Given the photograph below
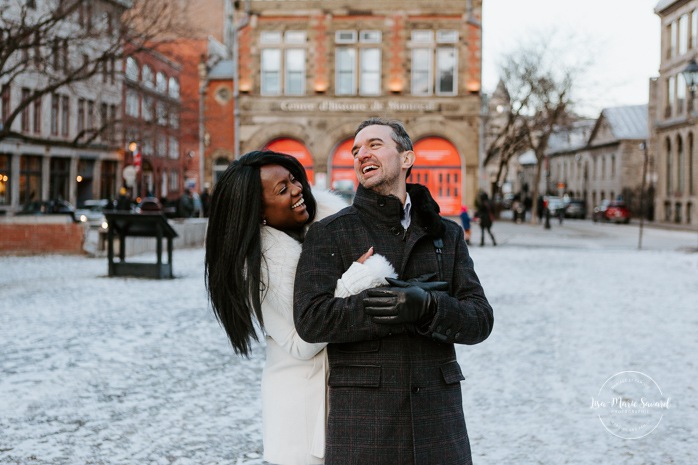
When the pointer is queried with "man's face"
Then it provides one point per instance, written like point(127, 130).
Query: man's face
point(377, 163)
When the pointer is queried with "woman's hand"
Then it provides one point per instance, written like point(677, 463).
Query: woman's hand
point(365, 256)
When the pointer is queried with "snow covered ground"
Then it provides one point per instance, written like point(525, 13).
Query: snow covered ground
point(98, 370)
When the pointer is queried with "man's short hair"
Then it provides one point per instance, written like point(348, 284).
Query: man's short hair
point(399, 134)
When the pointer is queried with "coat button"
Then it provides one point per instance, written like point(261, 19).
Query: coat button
point(448, 332)
point(415, 389)
point(457, 336)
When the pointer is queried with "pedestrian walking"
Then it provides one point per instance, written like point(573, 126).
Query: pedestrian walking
point(465, 220)
point(485, 213)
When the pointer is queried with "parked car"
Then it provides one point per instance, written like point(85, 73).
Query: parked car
point(149, 205)
point(48, 207)
point(576, 208)
point(92, 212)
point(611, 210)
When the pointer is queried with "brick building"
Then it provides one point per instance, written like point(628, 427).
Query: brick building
point(151, 124)
point(310, 71)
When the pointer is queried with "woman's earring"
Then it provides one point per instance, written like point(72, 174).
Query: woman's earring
point(264, 221)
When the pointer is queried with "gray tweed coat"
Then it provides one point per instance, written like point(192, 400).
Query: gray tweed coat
point(395, 395)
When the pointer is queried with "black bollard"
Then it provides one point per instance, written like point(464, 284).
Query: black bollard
point(547, 218)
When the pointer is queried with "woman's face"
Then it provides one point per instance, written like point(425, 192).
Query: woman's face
point(282, 199)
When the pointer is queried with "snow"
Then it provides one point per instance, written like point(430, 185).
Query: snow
point(99, 370)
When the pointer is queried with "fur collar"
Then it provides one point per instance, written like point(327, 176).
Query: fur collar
point(426, 210)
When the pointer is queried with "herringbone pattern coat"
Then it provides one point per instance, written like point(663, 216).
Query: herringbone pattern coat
point(395, 395)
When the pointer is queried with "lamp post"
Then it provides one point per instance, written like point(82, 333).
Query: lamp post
point(643, 146)
point(690, 75)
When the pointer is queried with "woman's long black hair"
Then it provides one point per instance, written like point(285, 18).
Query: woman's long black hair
point(233, 243)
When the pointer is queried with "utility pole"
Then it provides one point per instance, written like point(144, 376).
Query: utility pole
point(643, 146)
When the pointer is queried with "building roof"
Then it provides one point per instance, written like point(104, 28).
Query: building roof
point(627, 122)
point(224, 69)
point(572, 137)
point(663, 4)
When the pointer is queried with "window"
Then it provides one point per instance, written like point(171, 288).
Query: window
point(683, 32)
point(362, 60)
point(131, 69)
point(37, 113)
point(174, 148)
point(132, 103)
point(90, 123)
point(673, 37)
point(148, 108)
point(345, 80)
point(25, 120)
point(55, 104)
point(148, 78)
point(65, 115)
point(5, 178)
point(694, 29)
point(5, 96)
point(161, 149)
point(294, 81)
point(671, 95)
point(174, 120)
point(680, 92)
point(434, 63)
point(174, 180)
point(29, 178)
point(679, 166)
point(271, 71)
point(161, 82)
point(103, 118)
point(174, 88)
point(286, 60)
point(370, 83)
point(81, 116)
point(161, 111)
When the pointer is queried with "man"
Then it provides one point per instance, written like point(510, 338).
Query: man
point(394, 384)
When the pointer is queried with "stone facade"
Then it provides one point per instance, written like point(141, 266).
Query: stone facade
point(674, 115)
point(323, 110)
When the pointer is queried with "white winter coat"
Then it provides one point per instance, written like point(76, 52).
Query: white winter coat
point(295, 374)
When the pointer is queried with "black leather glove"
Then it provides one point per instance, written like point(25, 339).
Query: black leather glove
point(396, 305)
point(426, 285)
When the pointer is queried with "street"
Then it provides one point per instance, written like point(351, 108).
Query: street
point(105, 370)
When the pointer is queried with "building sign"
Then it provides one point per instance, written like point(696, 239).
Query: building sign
point(353, 106)
point(296, 149)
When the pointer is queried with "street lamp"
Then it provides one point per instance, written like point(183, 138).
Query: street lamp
point(690, 75)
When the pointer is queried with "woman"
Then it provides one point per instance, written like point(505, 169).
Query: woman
point(260, 209)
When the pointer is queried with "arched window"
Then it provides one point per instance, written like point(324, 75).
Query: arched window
point(148, 77)
point(679, 165)
point(131, 69)
point(161, 82)
point(174, 88)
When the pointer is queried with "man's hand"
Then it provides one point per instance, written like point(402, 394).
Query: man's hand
point(399, 304)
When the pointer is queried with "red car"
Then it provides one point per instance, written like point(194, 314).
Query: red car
point(612, 210)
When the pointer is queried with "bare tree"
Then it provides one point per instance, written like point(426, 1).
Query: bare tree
point(540, 82)
point(59, 44)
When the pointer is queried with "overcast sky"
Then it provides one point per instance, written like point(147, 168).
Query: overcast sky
point(624, 35)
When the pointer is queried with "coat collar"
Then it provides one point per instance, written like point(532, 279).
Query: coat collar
point(387, 209)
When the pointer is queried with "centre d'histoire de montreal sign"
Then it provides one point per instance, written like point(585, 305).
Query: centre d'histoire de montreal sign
point(338, 105)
